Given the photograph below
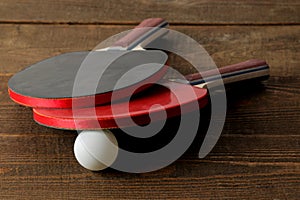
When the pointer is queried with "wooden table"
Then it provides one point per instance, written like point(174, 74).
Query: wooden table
point(258, 154)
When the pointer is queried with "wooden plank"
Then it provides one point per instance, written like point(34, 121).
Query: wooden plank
point(131, 12)
point(252, 185)
point(22, 45)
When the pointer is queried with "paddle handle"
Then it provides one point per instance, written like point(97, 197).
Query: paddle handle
point(251, 69)
point(147, 31)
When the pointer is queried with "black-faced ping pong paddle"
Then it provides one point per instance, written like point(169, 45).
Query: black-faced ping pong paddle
point(50, 83)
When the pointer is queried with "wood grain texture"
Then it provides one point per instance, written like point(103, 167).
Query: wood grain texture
point(131, 12)
point(226, 44)
point(258, 154)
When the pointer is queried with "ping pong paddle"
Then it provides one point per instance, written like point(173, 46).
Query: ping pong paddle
point(140, 107)
point(49, 83)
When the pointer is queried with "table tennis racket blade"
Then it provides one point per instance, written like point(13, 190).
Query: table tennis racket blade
point(139, 107)
point(50, 83)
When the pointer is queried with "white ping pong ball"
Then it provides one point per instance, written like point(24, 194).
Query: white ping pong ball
point(96, 150)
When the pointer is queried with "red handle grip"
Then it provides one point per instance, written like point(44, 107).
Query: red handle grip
point(227, 69)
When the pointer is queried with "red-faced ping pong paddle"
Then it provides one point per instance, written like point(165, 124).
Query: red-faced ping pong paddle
point(50, 83)
point(140, 107)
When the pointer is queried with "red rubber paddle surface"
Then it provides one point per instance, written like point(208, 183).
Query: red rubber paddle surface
point(155, 102)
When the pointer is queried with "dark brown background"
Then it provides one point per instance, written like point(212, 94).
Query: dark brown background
point(258, 155)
